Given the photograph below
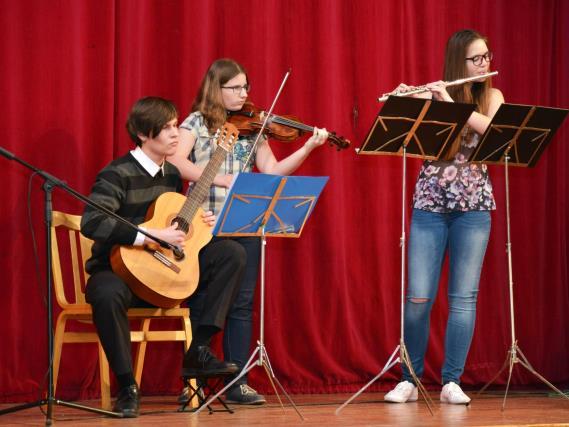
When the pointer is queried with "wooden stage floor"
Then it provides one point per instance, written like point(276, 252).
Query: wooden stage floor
point(522, 409)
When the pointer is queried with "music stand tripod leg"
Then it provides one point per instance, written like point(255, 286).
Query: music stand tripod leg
point(512, 361)
point(407, 361)
point(497, 375)
point(272, 377)
point(524, 362)
point(265, 367)
point(388, 365)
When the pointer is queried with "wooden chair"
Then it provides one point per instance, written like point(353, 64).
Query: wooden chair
point(76, 308)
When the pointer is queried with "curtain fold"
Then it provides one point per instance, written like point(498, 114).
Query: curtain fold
point(72, 70)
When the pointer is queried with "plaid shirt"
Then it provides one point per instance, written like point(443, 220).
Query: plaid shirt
point(204, 148)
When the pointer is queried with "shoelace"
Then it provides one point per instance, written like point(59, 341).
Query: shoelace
point(205, 356)
point(455, 390)
point(403, 387)
point(246, 389)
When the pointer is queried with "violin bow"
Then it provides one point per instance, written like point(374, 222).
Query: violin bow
point(265, 121)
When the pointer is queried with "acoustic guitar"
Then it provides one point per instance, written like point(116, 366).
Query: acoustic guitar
point(154, 273)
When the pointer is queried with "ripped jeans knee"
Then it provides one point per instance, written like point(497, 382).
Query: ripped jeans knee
point(417, 309)
point(418, 300)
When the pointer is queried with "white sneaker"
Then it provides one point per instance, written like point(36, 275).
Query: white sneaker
point(403, 392)
point(453, 394)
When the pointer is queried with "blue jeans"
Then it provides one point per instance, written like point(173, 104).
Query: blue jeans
point(239, 328)
point(465, 236)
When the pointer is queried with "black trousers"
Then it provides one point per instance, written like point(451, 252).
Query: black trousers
point(239, 325)
point(222, 263)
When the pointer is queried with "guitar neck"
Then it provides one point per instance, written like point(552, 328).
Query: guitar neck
point(201, 190)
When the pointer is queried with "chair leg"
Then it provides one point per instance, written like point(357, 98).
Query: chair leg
point(186, 324)
point(57, 347)
point(187, 331)
point(141, 352)
point(105, 379)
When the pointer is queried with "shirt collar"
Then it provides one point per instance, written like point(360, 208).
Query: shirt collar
point(147, 163)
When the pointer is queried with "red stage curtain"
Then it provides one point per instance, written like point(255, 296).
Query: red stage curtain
point(72, 69)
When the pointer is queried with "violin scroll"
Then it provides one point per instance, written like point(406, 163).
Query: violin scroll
point(339, 141)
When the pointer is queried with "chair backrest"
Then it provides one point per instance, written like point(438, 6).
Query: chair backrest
point(80, 251)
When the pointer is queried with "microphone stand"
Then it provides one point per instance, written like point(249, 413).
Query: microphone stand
point(50, 182)
point(58, 183)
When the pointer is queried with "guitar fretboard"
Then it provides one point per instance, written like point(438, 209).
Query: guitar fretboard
point(201, 190)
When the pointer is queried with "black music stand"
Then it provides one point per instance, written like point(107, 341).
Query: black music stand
point(420, 128)
point(520, 132)
point(266, 205)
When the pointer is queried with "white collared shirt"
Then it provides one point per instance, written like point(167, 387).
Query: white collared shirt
point(146, 162)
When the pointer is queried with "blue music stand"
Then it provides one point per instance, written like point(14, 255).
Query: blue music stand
point(266, 205)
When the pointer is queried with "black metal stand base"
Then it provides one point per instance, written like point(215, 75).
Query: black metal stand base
point(53, 401)
point(205, 388)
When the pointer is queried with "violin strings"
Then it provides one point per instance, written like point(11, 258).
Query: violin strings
point(292, 123)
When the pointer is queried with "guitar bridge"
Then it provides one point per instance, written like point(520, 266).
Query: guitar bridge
point(164, 260)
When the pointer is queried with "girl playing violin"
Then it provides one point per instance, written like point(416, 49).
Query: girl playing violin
point(224, 88)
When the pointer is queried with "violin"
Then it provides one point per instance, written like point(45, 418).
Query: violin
point(249, 120)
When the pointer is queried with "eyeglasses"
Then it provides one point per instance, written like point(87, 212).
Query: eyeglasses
point(477, 59)
point(237, 89)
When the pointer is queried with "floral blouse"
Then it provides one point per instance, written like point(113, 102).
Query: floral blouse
point(457, 185)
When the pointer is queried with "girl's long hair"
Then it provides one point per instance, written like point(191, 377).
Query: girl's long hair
point(477, 93)
point(209, 101)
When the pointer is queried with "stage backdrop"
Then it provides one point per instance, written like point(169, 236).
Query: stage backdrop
point(71, 69)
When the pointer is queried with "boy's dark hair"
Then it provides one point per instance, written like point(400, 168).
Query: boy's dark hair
point(148, 116)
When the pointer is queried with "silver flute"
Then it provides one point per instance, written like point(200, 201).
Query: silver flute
point(421, 89)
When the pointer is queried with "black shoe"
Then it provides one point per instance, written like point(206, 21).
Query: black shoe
point(128, 402)
point(201, 362)
point(242, 394)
